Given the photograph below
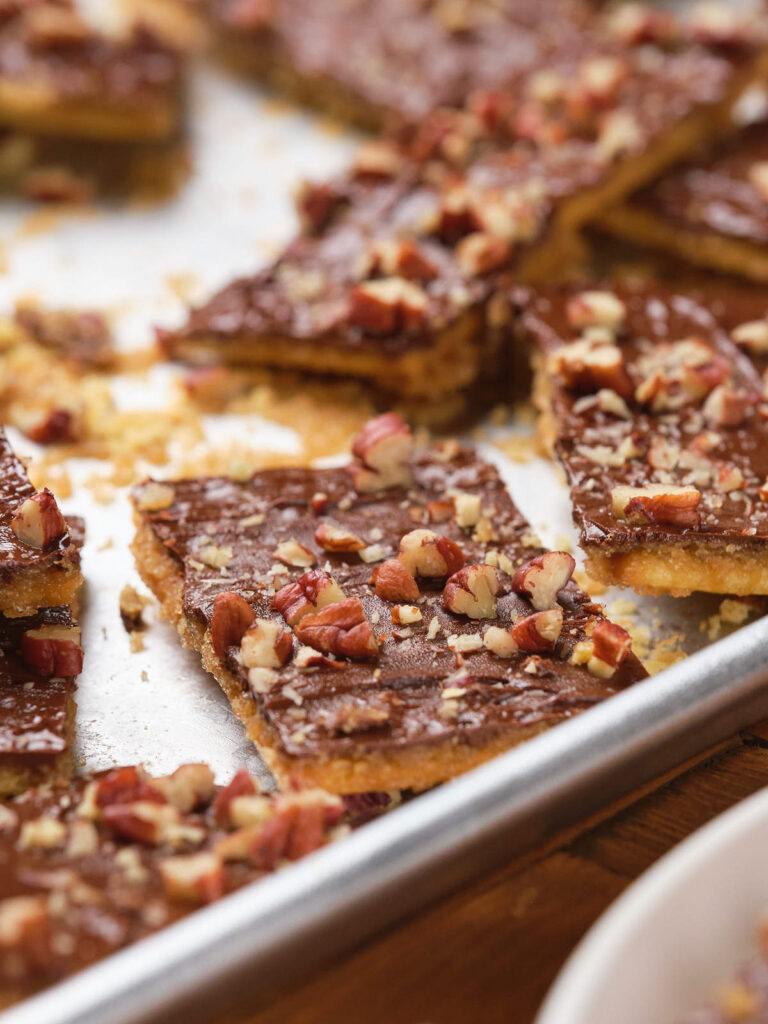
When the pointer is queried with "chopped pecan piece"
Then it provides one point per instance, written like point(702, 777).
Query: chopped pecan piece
point(242, 784)
point(384, 449)
point(53, 650)
point(393, 582)
point(388, 305)
point(539, 632)
point(232, 616)
point(657, 504)
point(266, 644)
point(590, 366)
point(290, 552)
point(189, 787)
point(425, 554)
point(340, 629)
point(543, 577)
point(314, 590)
point(611, 644)
point(500, 642)
point(195, 877)
point(336, 538)
point(596, 309)
point(38, 522)
point(472, 592)
point(403, 258)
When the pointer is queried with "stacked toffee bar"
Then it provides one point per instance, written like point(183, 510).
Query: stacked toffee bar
point(40, 649)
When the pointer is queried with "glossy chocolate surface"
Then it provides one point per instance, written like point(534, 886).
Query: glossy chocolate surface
point(34, 711)
point(695, 452)
point(395, 701)
point(716, 193)
point(16, 557)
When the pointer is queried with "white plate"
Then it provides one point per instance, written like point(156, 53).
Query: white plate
point(678, 932)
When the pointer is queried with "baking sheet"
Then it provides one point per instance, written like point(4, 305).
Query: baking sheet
point(158, 706)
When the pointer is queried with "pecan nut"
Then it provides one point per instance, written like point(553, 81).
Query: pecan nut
point(341, 629)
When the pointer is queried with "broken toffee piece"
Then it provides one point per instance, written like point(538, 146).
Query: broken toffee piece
point(711, 212)
point(660, 423)
point(40, 657)
point(394, 278)
point(91, 867)
point(39, 558)
point(385, 625)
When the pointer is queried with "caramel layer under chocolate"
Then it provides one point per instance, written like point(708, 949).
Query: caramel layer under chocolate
point(433, 700)
point(34, 573)
point(643, 387)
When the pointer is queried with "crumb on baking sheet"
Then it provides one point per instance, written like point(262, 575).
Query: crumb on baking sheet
point(732, 612)
point(592, 587)
point(656, 652)
point(132, 605)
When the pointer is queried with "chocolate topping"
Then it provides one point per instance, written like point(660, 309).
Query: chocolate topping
point(670, 434)
point(398, 699)
point(718, 193)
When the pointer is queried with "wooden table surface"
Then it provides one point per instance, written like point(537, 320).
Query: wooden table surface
point(488, 954)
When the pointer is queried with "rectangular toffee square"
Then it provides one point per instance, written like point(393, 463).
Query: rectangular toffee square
point(384, 625)
point(658, 415)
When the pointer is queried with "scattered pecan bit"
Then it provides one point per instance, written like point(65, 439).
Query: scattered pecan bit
point(425, 554)
point(620, 133)
point(634, 23)
point(753, 335)
point(663, 454)
point(543, 577)
point(725, 407)
point(589, 366)
point(308, 658)
point(194, 878)
point(51, 26)
point(42, 834)
point(56, 185)
point(393, 582)
point(340, 629)
point(125, 785)
point(53, 650)
point(377, 160)
point(56, 426)
point(249, 14)
point(469, 509)
point(319, 503)
point(599, 82)
point(290, 552)
point(611, 644)
point(437, 511)
point(596, 309)
point(266, 644)
point(388, 305)
point(352, 718)
point(38, 521)
point(657, 504)
point(500, 642)
point(610, 402)
point(406, 614)
point(479, 253)
point(132, 605)
point(154, 497)
point(383, 450)
point(538, 632)
point(25, 929)
point(336, 538)
point(361, 807)
point(403, 258)
point(729, 478)
point(242, 784)
point(143, 821)
point(232, 616)
point(717, 24)
point(247, 810)
point(472, 592)
point(679, 373)
point(313, 591)
point(316, 203)
point(189, 787)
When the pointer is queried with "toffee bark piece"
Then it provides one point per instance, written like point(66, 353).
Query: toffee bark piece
point(39, 556)
point(365, 622)
point(370, 61)
point(660, 423)
point(61, 76)
point(91, 867)
point(711, 212)
point(393, 280)
point(39, 659)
